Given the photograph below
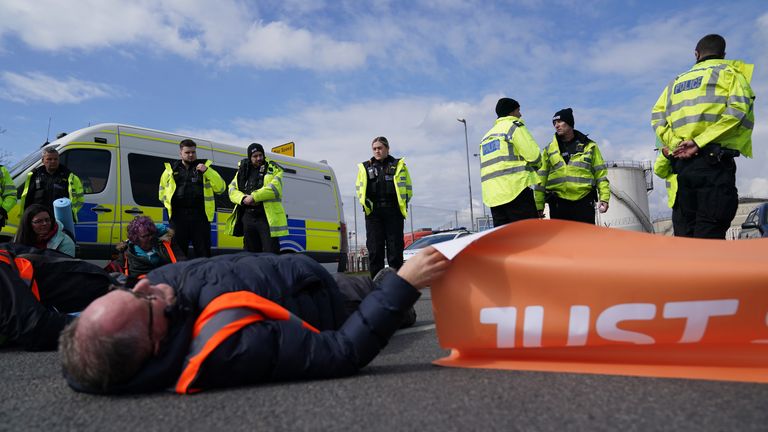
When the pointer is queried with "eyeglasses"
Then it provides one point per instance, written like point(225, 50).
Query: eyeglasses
point(148, 298)
point(41, 221)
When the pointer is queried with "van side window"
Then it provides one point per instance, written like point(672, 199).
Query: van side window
point(145, 172)
point(308, 199)
point(223, 202)
point(90, 165)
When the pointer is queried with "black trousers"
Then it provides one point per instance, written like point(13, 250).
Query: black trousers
point(191, 225)
point(707, 195)
point(522, 207)
point(384, 228)
point(256, 235)
point(679, 226)
point(582, 210)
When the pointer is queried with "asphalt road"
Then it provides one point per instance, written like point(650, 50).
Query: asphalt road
point(400, 390)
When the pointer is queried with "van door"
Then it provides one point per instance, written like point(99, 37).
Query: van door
point(143, 154)
point(95, 165)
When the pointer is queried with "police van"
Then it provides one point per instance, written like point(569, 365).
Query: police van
point(120, 168)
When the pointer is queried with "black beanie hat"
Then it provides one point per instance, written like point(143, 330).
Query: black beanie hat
point(505, 106)
point(254, 147)
point(565, 115)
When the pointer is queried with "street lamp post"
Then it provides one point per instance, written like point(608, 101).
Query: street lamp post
point(469, 177)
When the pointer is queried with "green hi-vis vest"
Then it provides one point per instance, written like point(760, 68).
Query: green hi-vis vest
point(710, 103)
point(509, 158)
point(212, 183)
point(403, 187)
point(572, 181)
point(270, 195)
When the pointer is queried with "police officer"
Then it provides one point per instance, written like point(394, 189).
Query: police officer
point(186, 190)
point(257, 192)
point(384, 190)
point(7, 195)
point(51, 181)
point(704, 117)
point(509, 158)
point(573, 173)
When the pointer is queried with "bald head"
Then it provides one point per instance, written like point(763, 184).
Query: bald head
point(108, 343)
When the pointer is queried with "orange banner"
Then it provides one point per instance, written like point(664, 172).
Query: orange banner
point(551, 295)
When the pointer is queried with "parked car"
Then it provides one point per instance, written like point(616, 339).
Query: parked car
point(756, 223)
point(437, 237)
point(411, 237)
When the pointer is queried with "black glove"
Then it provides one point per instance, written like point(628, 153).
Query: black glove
point(3, 217)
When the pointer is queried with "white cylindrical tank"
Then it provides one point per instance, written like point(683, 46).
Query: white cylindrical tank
point(628, 208)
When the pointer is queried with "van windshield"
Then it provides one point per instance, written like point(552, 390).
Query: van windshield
point(23, 165)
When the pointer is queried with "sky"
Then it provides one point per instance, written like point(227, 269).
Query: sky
point(332, 75)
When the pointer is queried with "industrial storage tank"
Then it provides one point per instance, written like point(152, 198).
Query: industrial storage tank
point(628, 209)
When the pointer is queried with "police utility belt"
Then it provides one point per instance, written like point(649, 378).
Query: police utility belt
point(717, 153)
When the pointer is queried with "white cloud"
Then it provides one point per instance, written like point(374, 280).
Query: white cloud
point(38, 87)
point(277, 45)
point(758, 187)
point(228, 32)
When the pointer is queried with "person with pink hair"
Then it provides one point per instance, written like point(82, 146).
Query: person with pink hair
point(148, 247)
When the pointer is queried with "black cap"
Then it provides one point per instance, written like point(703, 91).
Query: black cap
point(254, 147)
point(565, 115)
point(505, 106)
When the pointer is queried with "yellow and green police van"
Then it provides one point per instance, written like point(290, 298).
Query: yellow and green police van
point(120, 167)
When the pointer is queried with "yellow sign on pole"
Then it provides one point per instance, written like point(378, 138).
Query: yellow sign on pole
point(287, 149)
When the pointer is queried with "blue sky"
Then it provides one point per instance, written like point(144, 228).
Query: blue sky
point(331, 75)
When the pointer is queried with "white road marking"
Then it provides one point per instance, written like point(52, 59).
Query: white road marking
point(417, 329)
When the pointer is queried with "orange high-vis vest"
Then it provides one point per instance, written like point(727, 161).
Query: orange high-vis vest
point(24, 267)
point(223, 317)
point(166, 244)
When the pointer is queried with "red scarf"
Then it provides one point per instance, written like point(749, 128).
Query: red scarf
point(42, 241)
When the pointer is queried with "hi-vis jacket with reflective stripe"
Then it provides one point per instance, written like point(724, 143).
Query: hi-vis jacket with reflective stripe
point(663, 168)
point(270, 194)
point(212, 183)
point(509, 158)
point(7, 191)
point(274, 348)
point(711, 103)
point(572, 181)
point(74, 189)
point(403, 187)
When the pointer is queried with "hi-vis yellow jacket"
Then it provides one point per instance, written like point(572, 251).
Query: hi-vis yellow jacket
point(74, 190)
point(663, 168)
point(7, 191)
point(212, 183)
point(509, 158)
point(572, 181)
point(270, 194)
point(403, 187)
point(710, 103)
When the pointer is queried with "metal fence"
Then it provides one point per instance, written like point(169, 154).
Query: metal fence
point(419, 218)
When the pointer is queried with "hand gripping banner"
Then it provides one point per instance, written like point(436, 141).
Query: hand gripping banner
point(561, 296)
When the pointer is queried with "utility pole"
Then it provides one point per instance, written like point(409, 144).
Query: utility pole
point(469, 177)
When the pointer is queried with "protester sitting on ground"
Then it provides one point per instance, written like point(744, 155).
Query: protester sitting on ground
point(236, 320)
point(148, 247)
point(40, 229)
point(39, 290)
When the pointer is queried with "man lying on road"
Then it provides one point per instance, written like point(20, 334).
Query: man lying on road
point(236, 320)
